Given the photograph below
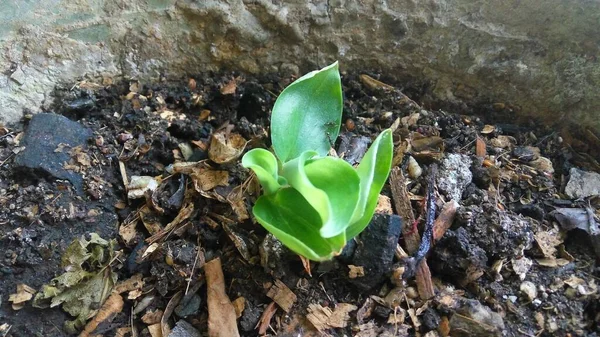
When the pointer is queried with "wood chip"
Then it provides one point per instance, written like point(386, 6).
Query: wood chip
point(480, 150)
point(282, 295)
point(340, 316)
point(221, 313)
point(356, 271)
point(444, 219)
point(374, 84)
point(155, 330)
point(319, 316)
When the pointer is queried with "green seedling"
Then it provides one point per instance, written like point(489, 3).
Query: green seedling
point(314, 203)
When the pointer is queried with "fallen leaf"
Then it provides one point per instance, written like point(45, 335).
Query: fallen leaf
point(155, 330)
point(229, 88)
point(128, 232)
point(225, 147)
point(205, 179)
point(24, 293)
point(221, 313)
point(152, 317)
point(487, 129)
point(374, 84)
point(112, 306)
point(239, 304)
point(139, 185)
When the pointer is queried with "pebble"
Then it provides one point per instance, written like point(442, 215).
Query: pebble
point(528, 289)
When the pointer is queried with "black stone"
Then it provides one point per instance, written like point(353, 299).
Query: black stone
point(250, 317)
point(375, 250)
point(42, 137)
point(430, 319)
point(454, 255)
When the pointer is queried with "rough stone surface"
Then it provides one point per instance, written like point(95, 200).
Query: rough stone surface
point(454, 175)
point(184, 329)
point(42, 137)
point(465, 51)
point(582, 184)
point(375, 249)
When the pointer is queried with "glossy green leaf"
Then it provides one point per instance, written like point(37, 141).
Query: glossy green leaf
point(373, 171)
point(288, 216)
point(307, 114)
point(330, 185)
point(264, 165)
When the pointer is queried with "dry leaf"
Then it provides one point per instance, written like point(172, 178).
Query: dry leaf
point(236, 200)
point(24, 293)
point(282, 295)
point(226, 147)
point(374, 84)
point(139, 185)
point(306, 264)
point(112, 306)
point(150, 220)
point(206, 179)
point(155, 330)
point(487, 129)
point(411, 120)
point(221, 313)
point(239, 304)
point(547, 242)
point(135, 282)
point(128, 232)
point(152, 317)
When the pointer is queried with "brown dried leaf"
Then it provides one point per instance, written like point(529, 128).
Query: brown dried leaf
point(365, 310)
point(282, 295)
point(374, 84)
point(152, 317)
point(552, 262)
point(221, 313)
point(239, 304)
point(128, 232)
point(236, 200)
point(420, 143)
point(155, 330)
point(150, 220)
point(487, 129)
point(547, 242)
point(135, 282)
point(112, 306)
point(305, 264)
point(225, 147)
point(205, 179)
point(24, 293)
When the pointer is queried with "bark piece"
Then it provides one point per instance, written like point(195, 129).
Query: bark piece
point(282, 295)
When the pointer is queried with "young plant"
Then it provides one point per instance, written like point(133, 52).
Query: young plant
point(314, 203)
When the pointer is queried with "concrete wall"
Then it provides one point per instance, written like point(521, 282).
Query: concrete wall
point(539, 56)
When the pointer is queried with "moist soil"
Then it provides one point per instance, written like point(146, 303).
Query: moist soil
point(504, 219)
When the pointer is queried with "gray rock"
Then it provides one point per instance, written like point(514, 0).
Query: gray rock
point(454, 175)
point(42, 137)
point(375, 250)
point(465, 52)
point(582, 184)
point(184, 329)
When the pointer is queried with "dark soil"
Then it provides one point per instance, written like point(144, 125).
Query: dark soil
point(503, 210)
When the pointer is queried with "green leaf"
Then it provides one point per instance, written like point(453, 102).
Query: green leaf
point(307, 114)
point(264, 165)
point(288, 216)
point(373, 171)
point(331, 187)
